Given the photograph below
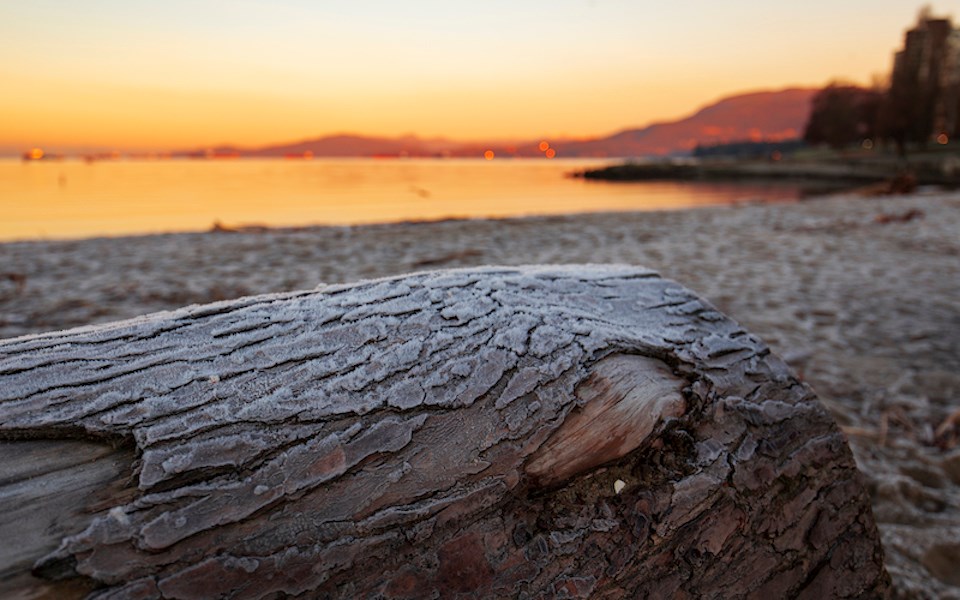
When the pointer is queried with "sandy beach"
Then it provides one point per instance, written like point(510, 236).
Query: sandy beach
point(860, 296)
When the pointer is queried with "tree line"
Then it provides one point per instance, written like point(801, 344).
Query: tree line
point(917, 106)
point(843, 115)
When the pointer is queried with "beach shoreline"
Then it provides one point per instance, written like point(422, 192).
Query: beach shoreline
point(858, 295)
point(851, 171)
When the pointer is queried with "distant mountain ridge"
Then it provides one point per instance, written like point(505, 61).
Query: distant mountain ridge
point(348, 145)
point(757, 116)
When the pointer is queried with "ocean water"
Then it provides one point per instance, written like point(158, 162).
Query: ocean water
point(74, 199)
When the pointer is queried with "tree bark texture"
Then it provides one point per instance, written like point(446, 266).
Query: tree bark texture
point(539, 432)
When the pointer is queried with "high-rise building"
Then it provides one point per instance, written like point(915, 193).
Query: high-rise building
point(925, 85)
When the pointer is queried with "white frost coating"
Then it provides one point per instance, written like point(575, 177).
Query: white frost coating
point(119, 515)
point(547, 339)
point(407, 394)
point(462, 368)
point(408, 352)
point(312, 338)
point(515, 336)
point(525, 380)
point(176, 464)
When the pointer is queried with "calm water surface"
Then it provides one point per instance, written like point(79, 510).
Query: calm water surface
point(70, 199)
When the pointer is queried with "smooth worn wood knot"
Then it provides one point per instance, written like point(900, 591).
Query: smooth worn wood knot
point(624, 399)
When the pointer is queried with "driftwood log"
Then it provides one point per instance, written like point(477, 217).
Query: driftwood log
point(501, 432)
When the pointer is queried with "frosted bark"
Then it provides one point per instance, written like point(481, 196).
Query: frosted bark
point(424, 436)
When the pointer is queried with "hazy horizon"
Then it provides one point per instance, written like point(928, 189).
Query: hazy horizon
point(138, 76)
point(12, 151)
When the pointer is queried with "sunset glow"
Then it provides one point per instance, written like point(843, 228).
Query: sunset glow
point(159, 76)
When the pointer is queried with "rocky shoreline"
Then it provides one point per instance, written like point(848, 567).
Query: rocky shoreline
point(860, 296)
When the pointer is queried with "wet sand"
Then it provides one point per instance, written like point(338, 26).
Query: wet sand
point(860, 296)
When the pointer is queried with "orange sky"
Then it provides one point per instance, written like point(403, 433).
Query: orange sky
point(136, 74)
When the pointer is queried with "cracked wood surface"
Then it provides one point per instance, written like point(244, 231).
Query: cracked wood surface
point(444, 433)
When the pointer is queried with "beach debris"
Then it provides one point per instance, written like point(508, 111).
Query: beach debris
point(947, 434)
point(900, 184)
point(618, 486)
point(904, 217)
point(19, 280)
point(865, 432)
point(942, 560)
point(443, 259)
point(840, 225)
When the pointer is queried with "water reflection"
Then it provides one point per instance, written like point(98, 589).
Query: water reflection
point(75, 199)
